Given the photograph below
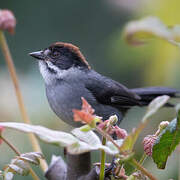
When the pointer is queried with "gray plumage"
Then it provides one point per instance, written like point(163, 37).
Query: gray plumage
point(68, 77)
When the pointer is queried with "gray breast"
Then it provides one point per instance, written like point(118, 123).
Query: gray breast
point(62, 101)
point(63, 96)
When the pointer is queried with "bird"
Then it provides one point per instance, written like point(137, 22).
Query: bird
point(68, 77)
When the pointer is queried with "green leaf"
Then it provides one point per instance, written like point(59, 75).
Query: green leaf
point(166, 143)
point(77, 143)
point(152, 108)
point(139, 31)
point(86, 128)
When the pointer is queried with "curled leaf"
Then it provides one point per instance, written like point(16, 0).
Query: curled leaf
point(16, 169)
point(139, 31)
point(155, 105)
point(32, 157)
point(19, 165)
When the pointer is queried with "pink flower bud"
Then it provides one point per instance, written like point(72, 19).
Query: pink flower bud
point(121, 133)
point(148, 143)
point(7, 21)
point(102, 125)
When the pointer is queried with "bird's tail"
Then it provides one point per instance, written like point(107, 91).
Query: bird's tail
point(147, 94)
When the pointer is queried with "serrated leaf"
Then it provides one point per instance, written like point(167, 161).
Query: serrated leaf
point(152, 108)
point(166, 143)
point(139, 31)
point(80, 143)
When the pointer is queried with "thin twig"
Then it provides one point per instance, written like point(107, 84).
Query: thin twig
point(141, 161)
point(143, 158)
point(25, 117)
point(10, 145)
point(142, 169)
point(109, 138)
point(33, 174)
point(103, 160)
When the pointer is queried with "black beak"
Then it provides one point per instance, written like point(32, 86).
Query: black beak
point(37, 55)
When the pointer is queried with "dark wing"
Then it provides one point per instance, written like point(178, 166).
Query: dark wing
point(110, 92)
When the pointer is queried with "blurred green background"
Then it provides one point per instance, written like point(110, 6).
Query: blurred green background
point(96, 27)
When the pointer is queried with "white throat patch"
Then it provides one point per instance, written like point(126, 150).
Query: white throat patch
point(49, 76)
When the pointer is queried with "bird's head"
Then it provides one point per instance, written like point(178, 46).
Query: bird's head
point(58, 59)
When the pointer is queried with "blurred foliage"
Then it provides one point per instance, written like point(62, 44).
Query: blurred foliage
point(163, 67)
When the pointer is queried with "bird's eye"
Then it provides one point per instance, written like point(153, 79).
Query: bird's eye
point(55, 54)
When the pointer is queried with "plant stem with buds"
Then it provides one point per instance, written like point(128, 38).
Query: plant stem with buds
point(107, 136)
point(12, 71)
point(133, 161)
point(103, 160)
